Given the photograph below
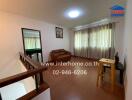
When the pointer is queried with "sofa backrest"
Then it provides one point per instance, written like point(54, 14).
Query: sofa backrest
point(58, 50)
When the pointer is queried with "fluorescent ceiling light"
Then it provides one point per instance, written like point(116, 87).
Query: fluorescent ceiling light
point(74, 14)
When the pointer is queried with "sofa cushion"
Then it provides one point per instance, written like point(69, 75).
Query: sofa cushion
point(63, 56)
point(60, 55)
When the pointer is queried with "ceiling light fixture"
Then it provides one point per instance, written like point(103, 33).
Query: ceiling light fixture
point(74, 14)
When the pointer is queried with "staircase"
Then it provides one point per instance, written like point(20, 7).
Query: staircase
point(12, 86)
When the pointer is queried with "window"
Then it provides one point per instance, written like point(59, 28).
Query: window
point(97, 40)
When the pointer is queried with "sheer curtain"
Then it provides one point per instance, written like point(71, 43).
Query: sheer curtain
point(96, 42)
point(32, 42)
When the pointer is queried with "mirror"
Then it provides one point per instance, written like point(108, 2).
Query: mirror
point(32, 44)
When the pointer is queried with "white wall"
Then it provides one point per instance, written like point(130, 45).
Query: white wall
point(50, 42)
point(44, 95)
point(119, 37)
point(11, 40)
point(128, 50)
point(29, 83)
point(72, 41)
point(13, 91)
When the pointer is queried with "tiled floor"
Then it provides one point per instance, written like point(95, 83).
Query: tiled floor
point(80, 87)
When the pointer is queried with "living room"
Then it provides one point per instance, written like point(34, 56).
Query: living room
point(77, 37)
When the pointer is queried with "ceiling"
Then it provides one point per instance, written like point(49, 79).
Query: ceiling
point(53, 11)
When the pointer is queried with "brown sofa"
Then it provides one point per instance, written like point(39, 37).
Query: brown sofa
point(60, 55)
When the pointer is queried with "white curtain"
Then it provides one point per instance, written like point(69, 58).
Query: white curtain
point(32, 42)
point(96, 42)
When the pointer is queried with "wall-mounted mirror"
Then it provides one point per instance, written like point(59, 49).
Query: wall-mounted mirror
point(32, 44)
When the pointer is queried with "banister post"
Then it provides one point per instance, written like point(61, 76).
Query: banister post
point(0, 97)
point(41, 78)
point(36, 82)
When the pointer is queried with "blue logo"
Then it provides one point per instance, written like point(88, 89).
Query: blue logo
point(117, 11)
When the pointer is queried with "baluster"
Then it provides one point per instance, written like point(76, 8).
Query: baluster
point(41, 78)
point(36, 82)
point(0, 97)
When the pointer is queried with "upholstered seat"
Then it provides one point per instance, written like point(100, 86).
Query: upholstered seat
point(60, 55)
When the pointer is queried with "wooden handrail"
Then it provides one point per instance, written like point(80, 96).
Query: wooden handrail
point(30, 64)
point(21, 76)
point(34, 93)
point(29, 60)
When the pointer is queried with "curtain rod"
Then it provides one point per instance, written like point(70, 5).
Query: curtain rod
point(97, 23)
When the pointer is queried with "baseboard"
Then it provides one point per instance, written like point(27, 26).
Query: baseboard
point(94, 59)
